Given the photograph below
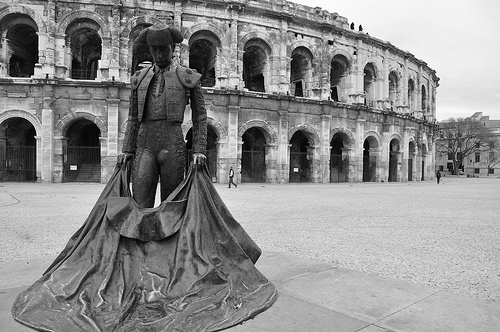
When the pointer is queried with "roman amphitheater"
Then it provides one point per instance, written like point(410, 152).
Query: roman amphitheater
point(293, 93)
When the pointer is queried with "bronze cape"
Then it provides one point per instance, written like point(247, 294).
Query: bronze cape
point(186, 265)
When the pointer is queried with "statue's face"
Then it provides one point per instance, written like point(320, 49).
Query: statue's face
point(162, 55)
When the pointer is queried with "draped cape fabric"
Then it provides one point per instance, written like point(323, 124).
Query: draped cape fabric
point(186, 265)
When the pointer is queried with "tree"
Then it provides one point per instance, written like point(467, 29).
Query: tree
point(460, 138)
point(492, 155)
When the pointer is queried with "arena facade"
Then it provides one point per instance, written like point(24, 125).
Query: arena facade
point(293, 93)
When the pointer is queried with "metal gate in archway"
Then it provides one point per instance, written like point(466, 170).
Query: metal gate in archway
point(18, 163)
point(339, 167)
point(369, 168)
point(300, 167)
point(253, 166)
point(82, 164)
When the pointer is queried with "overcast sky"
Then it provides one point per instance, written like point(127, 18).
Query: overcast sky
point(459, 39)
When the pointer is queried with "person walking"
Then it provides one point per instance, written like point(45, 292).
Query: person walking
point(231, 176)
point(438, 176)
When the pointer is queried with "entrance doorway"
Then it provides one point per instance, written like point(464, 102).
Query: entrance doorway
point(253, 156)
point(17, 151)
point(82, 162)
point(369, 160)
point(393, 160)
point(300, 163)
point(411, 155)
point(339, 163)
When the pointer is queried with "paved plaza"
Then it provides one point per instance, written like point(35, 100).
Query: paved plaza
point(345, 257)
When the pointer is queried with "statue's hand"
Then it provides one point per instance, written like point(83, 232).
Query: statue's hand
point(125, 158)
point(199, 159)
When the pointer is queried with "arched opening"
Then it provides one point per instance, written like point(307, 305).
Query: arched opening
point(253, 157)
point(300, 158)
point(140, 54)
point(254, 65)
point(338, 78)
point(203, 56)
point(212, 140)
point(86, 49)
point(411, 94)
point(411, 156)
point(299, 71)
point(17, 150)
point(393, 89)
point(369, 160)
point(424, 98)
point(369, 84)
point(339, 162)
point(393, 160)
point(22, 44)
point(82, 162)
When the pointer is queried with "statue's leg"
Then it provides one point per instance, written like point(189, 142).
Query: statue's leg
point(144, 178)
point(172, 160)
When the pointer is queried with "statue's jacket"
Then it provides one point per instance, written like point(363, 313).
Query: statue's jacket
point(182, 85)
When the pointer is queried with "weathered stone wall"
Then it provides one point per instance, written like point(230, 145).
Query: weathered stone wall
point(365, 111)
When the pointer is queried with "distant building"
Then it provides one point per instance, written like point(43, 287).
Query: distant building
point(484, 161)
point(292, 93)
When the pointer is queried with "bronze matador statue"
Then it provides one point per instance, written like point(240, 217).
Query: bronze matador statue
point(158, 98)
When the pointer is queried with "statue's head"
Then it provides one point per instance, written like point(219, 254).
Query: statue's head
point(161, 41)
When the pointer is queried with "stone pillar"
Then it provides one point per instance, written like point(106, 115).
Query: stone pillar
point(356, 162)
point(360, 89)
point(234, 142)
point(283, 167)
point(324, 176)
point(235, 54)
point(284, 73)
point(108, 160)
point(47, 145)
point(60, 155)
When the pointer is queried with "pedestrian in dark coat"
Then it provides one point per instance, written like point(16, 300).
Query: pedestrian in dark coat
point(231, 176)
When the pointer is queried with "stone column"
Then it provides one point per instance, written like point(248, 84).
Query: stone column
point(324, 171)
point(356, 162)
point(47, 145)
point(234, 142)
point(235, 54)
point(60, 157)
point(283, 167)
point(109, 156)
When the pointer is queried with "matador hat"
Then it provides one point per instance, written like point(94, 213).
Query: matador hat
point(158, 35)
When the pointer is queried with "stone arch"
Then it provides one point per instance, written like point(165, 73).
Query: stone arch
point(305, 44)
point(14, 9)
point(376, 66)
point(79, 14)
point(343, 53)
point(399, 138)
point(24, 115)
point(135, 21)
point(311, 134)
point(268, 130)
point(218, 33)
point(219, 129)
point(375, 136)
point(266, 39)
point(346, 133)
point(63, 124)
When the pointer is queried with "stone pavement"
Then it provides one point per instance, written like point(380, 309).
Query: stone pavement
point(315, 296)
